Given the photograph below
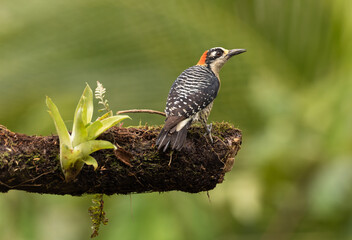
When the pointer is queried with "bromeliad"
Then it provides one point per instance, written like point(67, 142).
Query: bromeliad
point(75, 149)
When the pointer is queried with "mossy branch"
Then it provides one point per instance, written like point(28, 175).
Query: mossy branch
point(31, 163)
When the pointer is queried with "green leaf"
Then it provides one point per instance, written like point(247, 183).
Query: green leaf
point(65, 154)
point(73, 170)
point(88, 147)
point(109, 122)
point(89, 160)
point(60, 126)
point(86, 101)
point(93, 129)
point(79, 131)
point(106, 115)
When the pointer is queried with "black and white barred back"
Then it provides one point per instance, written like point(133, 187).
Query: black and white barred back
point(190, 99)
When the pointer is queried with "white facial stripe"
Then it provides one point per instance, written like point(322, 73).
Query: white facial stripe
point(220, 48)
point(212, 54)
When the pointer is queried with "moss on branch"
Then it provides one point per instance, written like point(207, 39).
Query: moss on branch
point(31, 163)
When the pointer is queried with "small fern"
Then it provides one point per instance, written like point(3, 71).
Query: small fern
point(97, 214)
point(99, 94)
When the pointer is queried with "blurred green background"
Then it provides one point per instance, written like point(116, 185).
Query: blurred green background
point(290, 94)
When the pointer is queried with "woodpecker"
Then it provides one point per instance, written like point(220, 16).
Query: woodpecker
point(191, 97)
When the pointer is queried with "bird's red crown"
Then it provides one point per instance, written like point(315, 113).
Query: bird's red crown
point(203, 58)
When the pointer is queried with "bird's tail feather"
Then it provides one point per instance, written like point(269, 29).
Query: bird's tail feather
point(174, 138)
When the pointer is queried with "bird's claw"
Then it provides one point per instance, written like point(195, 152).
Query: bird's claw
point(208, 131)
point(211, 138)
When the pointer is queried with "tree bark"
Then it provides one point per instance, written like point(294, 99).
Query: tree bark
point(31, 163)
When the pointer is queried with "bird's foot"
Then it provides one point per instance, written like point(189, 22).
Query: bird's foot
point(208, 131)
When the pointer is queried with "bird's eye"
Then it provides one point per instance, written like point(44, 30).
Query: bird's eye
point(218, 54)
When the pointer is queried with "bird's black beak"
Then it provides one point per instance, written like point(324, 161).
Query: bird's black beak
point(234, 52)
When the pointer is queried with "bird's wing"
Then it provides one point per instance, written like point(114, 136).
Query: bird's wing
point(192, 91)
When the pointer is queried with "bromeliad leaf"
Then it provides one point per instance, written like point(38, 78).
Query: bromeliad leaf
point(106, 115)
point(86, 148)
point(109, 122)
point(86, 104)
point(60, 126)
point(93, 129)
point(91, 161)
point(100, 126)
point(79, 131)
